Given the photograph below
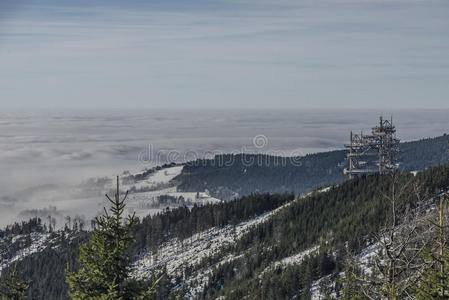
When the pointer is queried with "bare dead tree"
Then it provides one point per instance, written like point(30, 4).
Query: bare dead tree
point(433, 282)
point(394, 268)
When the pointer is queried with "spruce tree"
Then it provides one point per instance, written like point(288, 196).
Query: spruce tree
point(14, 288)
point(105, 271)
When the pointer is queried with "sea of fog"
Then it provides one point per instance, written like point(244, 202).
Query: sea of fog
point(52, 161)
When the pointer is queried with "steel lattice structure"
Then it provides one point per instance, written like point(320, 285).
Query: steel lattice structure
point(373, 153)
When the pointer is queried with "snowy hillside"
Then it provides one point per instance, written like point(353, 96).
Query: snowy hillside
point(149, 196)
point(177, 255)
point(17, 247)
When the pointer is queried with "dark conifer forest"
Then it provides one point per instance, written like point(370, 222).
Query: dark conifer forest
point(299, 175)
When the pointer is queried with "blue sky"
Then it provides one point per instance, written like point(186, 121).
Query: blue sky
point(224, 54)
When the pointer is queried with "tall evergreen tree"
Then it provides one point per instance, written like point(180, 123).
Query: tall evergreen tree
point(105, 271)
point(14, 288)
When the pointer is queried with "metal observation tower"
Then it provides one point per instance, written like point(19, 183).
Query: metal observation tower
point(373, 153)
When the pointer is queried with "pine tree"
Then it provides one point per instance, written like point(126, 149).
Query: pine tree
point(14, 288)
point(105, 271)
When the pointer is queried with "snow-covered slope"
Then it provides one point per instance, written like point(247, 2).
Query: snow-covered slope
point(177, 255)
point(33, 243)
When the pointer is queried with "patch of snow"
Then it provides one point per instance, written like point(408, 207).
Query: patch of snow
point(159, 178)
point(326, 189)
point(165, 175)
point(323, 190)
point(368, 253)
point(315, 289)
point(291, 260)
point(297, 258)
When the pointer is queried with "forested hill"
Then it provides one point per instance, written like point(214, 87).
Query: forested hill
point(229, 176)
point(272, 246)
point(425, 153)
point(342, 219)
point(266, 174)
point(42, 255)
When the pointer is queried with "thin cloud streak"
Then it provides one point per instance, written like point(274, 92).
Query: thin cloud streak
point(265, 54)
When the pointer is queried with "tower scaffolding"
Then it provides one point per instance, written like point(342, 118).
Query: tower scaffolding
point(375, 152)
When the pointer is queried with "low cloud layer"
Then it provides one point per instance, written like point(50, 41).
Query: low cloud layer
point(67, 159)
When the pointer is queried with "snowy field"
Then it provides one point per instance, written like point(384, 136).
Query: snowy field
point(158, 178)
point(143, 199)
point(148, 203)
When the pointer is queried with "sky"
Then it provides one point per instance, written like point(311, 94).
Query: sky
point(224, 54)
